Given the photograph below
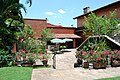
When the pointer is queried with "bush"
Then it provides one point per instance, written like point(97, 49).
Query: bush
point(6, 58)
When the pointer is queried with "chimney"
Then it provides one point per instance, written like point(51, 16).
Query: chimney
point(86, 10)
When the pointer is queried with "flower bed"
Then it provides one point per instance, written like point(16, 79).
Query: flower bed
point(98, 52)
point(115, 58)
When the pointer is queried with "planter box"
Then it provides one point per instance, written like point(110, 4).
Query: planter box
point(27, 64)
point(45, 62)
point(85, 65)
point(115, 63)
point(99, 65)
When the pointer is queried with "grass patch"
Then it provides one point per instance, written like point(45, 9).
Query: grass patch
point(113, 78)
point(15, 73)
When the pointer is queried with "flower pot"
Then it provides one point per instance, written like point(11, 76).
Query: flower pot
point(99, 65)
point(27, 64)
point(45, 62)
point(85, 65)
point(115, 63)
point(79, 61)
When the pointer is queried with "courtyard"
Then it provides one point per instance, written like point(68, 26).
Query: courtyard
point(65, 70)
point(88, 49)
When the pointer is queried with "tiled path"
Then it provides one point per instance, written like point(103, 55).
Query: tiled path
point(66, 71)
point(66, 60)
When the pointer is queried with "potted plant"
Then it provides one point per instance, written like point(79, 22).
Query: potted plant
point(85, 57)
point(99, 60)
point(25, 59)
point(44, 57)
point(28, 51)
point(62, 47)
point(115, 58)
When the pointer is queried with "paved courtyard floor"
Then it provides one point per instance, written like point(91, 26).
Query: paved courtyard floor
point(65, 70)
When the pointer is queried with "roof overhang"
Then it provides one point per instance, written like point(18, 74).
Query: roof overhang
point(66, 36)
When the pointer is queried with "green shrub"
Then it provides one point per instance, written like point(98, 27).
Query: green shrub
point(6, 58)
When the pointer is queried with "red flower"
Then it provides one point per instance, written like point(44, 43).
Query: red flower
point(116, 51)
point(19, 57)
point(40, 53)
point(91, 51)
point(84, 53)
point(22, 51)
point(119, 51)
point(99, 58)
point(108, 52)
point(104, 53)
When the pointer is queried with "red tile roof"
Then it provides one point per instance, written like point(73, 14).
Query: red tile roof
point(53, 26)
point(66, 36)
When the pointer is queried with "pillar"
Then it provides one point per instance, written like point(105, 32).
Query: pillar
point(74, 43)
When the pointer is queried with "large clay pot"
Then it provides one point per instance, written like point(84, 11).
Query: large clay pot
point(115, 63)
point(99, 65)
point(85, 65)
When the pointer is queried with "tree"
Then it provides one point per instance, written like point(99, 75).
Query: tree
point(28, 47)
point(100, 25)
point(47, 35)
point(29, 1)
point(10, 22)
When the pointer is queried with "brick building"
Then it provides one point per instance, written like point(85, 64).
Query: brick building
point(99, 12)
point(60, 32)
point(37, 25)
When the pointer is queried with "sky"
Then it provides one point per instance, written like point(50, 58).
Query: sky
point(61, 12)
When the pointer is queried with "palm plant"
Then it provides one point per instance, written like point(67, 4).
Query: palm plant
point(10, 9)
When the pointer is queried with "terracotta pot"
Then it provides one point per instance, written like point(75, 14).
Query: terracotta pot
point(85, 65)
point(115, 63)
point(99, 65)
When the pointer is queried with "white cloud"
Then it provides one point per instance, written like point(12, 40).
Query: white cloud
point(49, 13)
point(61, 11)
point(55, 16)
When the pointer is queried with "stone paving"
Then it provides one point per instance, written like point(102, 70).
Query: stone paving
point(65, 70)
point(66, 60)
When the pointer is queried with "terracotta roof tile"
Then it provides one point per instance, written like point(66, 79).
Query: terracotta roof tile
point(52, 25)
point(66, 36)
